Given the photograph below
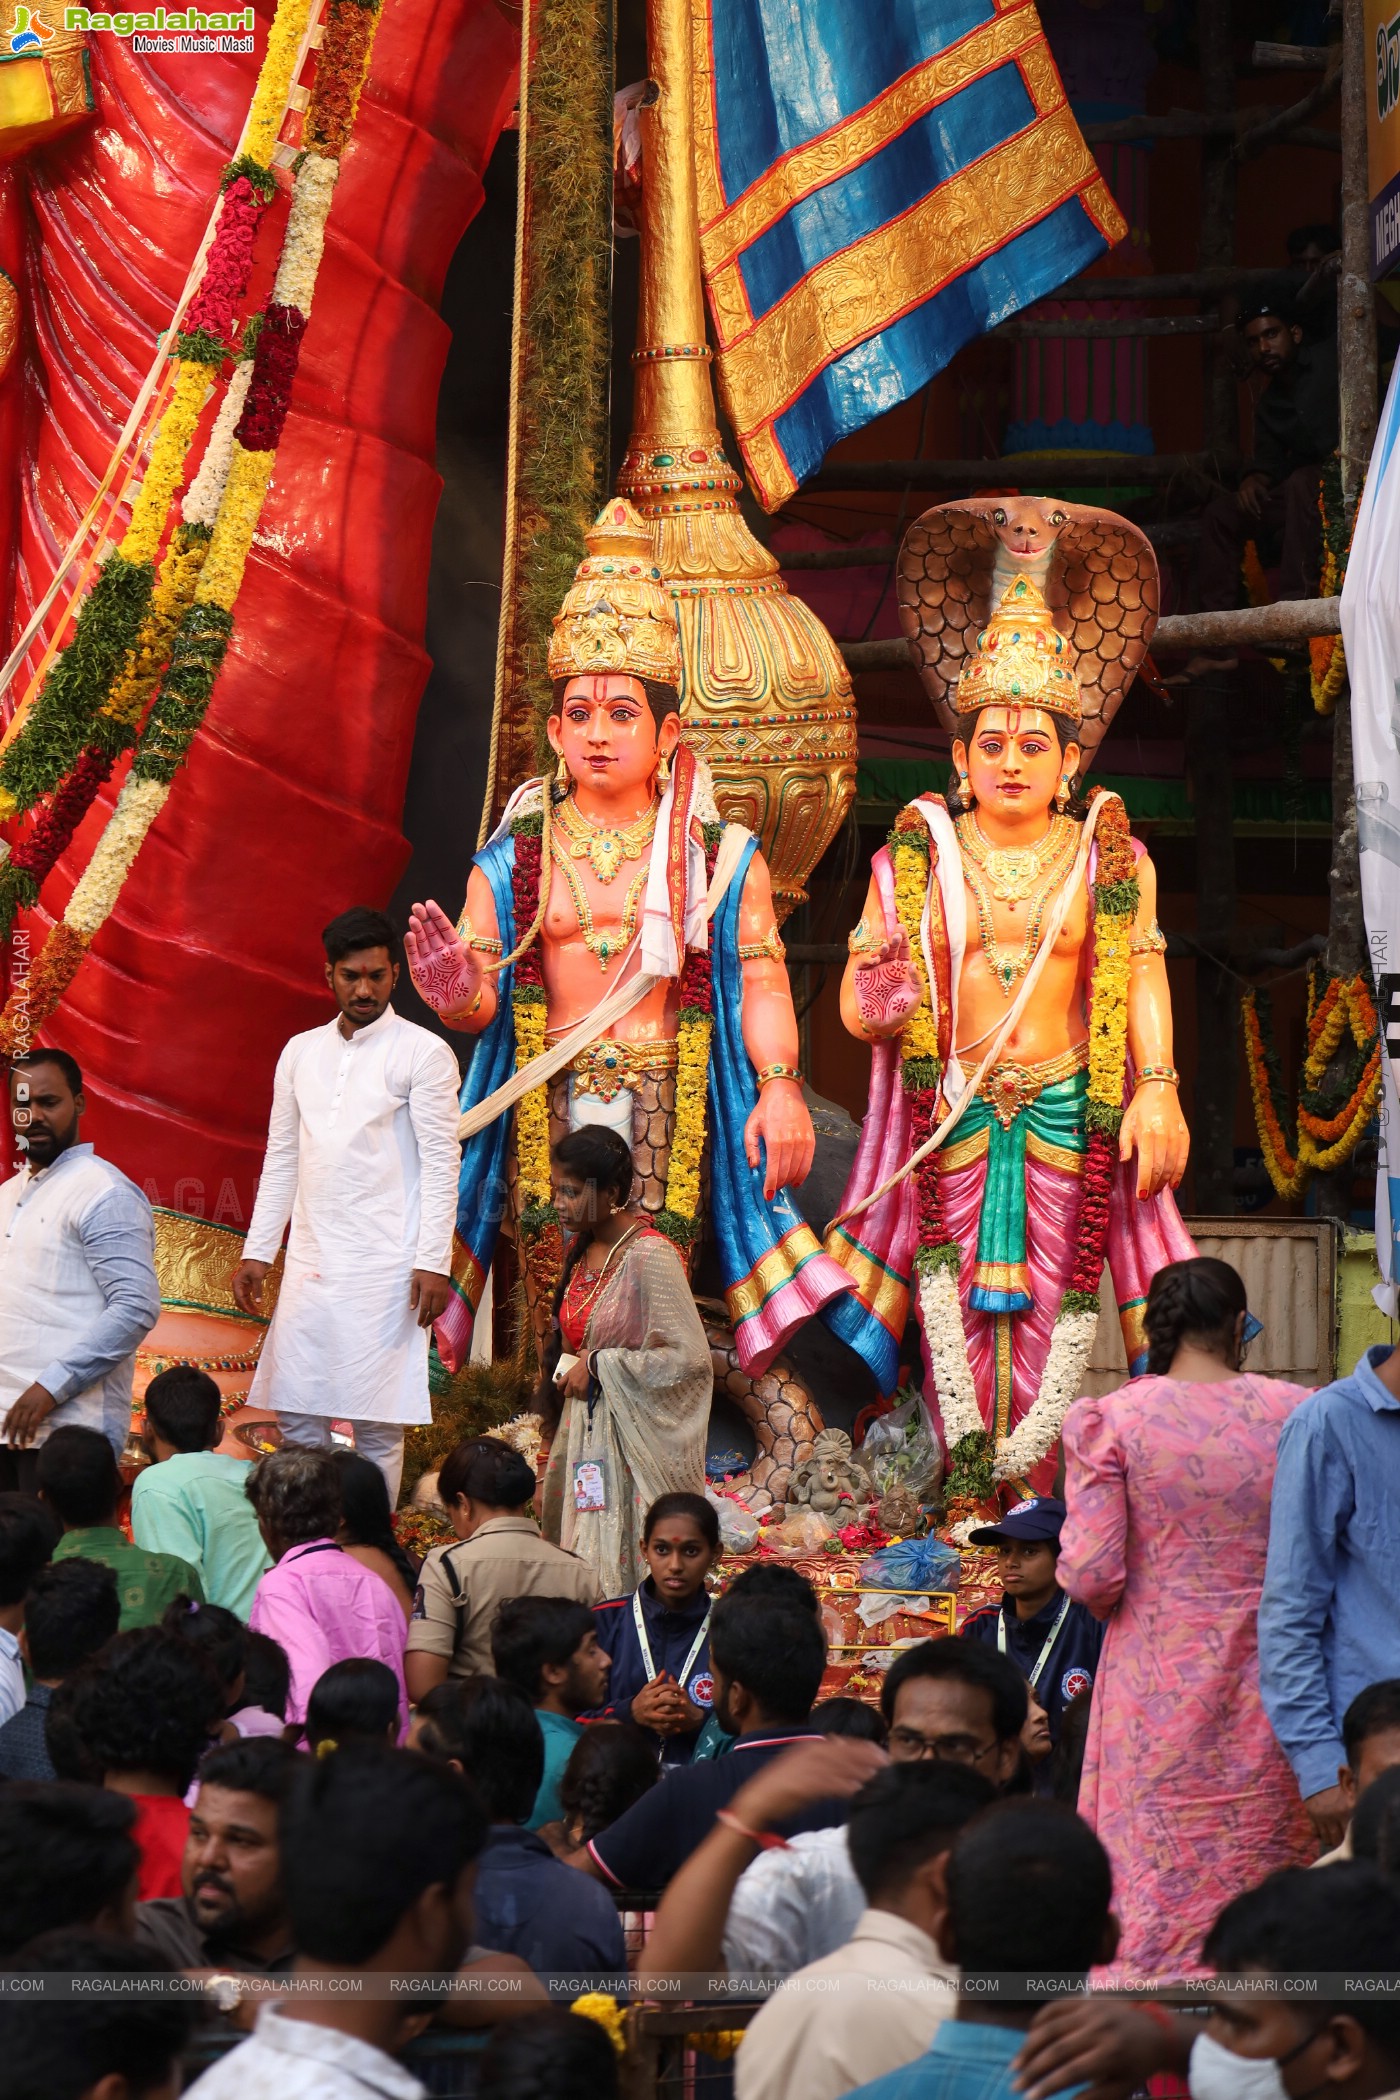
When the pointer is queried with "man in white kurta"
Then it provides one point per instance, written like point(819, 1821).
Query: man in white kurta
point(362, 1158)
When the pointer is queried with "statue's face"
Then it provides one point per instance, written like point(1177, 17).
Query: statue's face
point(608, 737)
point(1027, 528)
point(1014, 762)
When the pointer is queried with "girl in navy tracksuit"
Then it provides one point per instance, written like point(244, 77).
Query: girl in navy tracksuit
point(659, 1637)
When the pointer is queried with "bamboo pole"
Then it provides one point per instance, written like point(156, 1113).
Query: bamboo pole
point(1251, 626)
point(1066, 470)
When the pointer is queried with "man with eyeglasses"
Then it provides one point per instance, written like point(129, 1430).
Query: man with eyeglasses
point(773, 1911)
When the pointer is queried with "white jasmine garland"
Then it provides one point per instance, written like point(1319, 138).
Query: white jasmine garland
point(205, 492)
point(138, 805)
point(947, 1348)
point(1033, 1438)
point(312, 190)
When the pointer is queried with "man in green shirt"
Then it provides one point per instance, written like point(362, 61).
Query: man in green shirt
point(192, 1502)
point(548, 1648)
point(77, 1478)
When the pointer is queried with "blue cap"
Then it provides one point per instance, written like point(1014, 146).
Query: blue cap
point(1038, 1517)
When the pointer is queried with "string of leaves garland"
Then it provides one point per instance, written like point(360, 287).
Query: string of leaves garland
point(975, 1462)
point(1332, 1115)
point(200, 642)
point(88, 710)
point(1327, 657)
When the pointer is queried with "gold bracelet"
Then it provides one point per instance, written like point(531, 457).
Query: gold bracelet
point(767, 1072)
point(1166, 1074)
point(769, 949)
point(1153, 942)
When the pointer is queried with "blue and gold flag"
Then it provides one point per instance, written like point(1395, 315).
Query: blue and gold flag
point(880, 180)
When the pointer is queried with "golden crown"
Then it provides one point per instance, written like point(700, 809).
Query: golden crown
point(1021, 657)
point(617, 616)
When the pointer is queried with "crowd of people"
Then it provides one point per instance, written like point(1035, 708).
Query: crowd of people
point(247, 1739)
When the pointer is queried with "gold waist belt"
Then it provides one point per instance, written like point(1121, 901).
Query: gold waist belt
point(1008, 1088)
point(606, 1067)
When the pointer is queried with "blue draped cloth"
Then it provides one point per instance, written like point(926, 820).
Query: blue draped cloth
point(879, 181)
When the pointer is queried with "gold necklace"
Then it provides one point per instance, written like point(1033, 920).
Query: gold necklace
point(604, 945)
point(1014, 872)
point(1012, 875)
point(604, 846)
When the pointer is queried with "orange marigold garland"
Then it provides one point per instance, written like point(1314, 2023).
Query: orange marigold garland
point(1326, 656)
point(1331, 1119)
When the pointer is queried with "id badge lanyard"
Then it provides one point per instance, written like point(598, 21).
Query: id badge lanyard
point(590, 1473)
point(1050, 1639)
point(639, 1621)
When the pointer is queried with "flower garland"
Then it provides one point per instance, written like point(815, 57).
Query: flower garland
point(1116, 898)
point(200, 644)
point(540, 1231)
point(937, 1256)
point(679, 1217)
point(1326, 655)
point(1330, 1121)
point(975, 1464)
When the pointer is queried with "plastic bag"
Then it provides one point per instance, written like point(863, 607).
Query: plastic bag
point(873, 1610)
point(913, 1564)
point(801, 1531)
point(900, 1450)
point(738, 1527)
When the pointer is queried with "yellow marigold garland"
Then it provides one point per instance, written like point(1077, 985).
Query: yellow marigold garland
point(693, 1035)
point(911, 878)
point(1326, 1136)
point(174, 593)
point(532, 1110)
point(166, 470)
point(232, 543)
point(269, 106)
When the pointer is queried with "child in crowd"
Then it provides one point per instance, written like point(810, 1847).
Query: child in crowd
point(1053, 1642)
point(28, 1535)
point(137, 1718)
point(612, 1765)
point(267, 1684)
point(70, 1612)
point(191, 1500)
point(356, 1701)
point(658, 1639)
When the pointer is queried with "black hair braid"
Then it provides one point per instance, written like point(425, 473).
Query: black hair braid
point(1201, 1299)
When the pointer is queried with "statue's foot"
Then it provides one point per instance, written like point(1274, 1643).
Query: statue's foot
point(785, 1419)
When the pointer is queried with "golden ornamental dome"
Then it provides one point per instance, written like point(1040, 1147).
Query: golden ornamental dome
point(617, 615)
point(1021, 659)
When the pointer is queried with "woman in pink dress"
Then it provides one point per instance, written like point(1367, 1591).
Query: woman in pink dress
point(1168, 1482)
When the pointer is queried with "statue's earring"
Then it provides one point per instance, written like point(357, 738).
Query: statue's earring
point(1062, 793)
point(563, 778)
point(964, 790)
point(663, 773)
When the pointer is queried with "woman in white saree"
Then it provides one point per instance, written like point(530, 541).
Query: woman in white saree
point(637, 1381)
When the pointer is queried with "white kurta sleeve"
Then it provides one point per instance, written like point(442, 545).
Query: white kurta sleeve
point(278, 1185)
point(432, 1107)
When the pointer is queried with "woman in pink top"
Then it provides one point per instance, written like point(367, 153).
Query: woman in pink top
point(320, 1604)
point(1168, 1483)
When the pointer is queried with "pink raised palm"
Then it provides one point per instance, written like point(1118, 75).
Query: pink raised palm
point(887, 988)
point(443, 968)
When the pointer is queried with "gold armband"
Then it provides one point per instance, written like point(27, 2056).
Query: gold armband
point(1153, 942)
point(767, 1072)
point(480, 941)
point(769, 949)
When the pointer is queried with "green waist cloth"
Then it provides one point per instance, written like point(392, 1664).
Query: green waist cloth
point(1002, 1281)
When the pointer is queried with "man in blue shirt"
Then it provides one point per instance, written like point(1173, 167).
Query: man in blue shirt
point(1328, 1625)
point(1029, 1887)
point(1053, 1642)
point(527, 1902)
